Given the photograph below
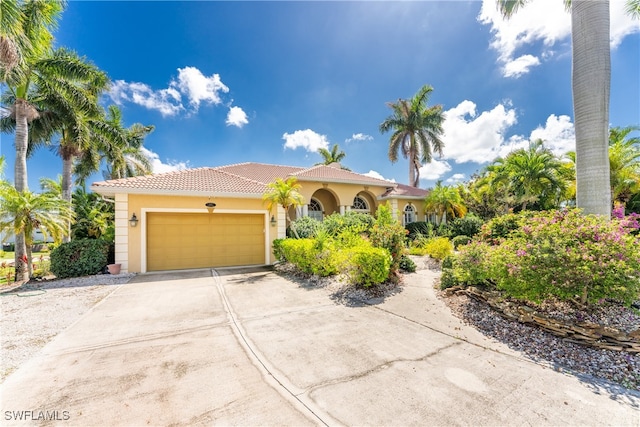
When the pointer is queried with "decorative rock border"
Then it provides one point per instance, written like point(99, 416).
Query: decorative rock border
point(585, 333)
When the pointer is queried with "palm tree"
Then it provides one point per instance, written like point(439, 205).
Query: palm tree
point(416, 131)
point(624, 160)
point(53, 186)
point(94, 216)
point(30, 33)
point(332, 156)
point(119, 147)
point(591, 81)
point(286, 194)
point(23, 212)
point(443, 200)
point(10, 37)
point(531, 176)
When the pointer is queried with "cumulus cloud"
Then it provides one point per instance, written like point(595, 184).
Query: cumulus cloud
point(157, 166)
point(481, 138)
point(541, 21)
point(520, 66)
point(456, 178)
point(191, 87)
point(236, 117)
point(359, 137)
point(199, 88)
point(374, 174)
point(166, 101)
point(472, 137)
point(307, 139)
point(434, 170)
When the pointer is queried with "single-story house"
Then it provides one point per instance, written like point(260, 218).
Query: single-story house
point(215, 216)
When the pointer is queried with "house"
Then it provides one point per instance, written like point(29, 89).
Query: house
point(215, 216)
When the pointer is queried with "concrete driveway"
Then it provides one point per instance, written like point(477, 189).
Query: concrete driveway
point(251, 348)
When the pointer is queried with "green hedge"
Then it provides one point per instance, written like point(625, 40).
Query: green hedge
point(366, 265)
point(80, 257)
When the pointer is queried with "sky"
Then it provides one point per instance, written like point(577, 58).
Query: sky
point(272, 82)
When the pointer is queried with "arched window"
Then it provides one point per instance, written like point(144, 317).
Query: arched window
point(360, 204)
point(315, 210)
point(409, 214)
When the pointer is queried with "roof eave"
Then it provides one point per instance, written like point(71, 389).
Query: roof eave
point(112, 191)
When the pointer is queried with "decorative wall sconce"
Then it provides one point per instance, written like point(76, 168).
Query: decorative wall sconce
point(210, 206)
point(133, 221)
point(273, 221)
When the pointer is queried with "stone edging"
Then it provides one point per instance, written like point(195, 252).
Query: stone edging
point(585, 333)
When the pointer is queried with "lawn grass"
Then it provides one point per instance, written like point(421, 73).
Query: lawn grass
point(40, 260)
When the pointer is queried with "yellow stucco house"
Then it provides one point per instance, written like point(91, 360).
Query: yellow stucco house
point(215, 216)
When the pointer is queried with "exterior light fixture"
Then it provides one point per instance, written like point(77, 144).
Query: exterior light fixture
point(210, 206)
point(273, 221)
point(133, 221)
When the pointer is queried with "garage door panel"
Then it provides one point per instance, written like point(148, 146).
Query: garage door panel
point(180, 241)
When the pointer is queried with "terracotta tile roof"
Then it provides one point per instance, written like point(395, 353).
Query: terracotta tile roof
point(242, 179)
point(201, 180)
point(334, 173)
point(402, 190)
point(260, 172)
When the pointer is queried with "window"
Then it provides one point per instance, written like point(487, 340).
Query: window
point(315, 210)
point(409, 214)
point(360, 204)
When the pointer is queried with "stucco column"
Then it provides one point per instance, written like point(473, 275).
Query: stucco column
point(342, 209)
point(305, 210)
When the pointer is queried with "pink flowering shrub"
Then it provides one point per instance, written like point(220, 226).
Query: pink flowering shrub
point(560, 254)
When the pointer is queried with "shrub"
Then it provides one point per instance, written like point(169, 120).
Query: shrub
point(389, 234)
point(460, 241)
point(306, 227)
point(443, 230)
point(419, 229)
point(407, 264)
point(357, 222)
point(310, 256)
point(366, 266)
point(80, 257)
point(468, 225)
point(438, 248)
point(278, 252)
point(502, 227)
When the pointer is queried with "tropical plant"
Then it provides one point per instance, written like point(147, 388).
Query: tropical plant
point(532, 177)
point(120, 148)
point(443, 200)
point(286, 194)
point(94, 217)
point(23, 212)
point(333, 156)
point(624, 161)
point(591, 81)
point(416, 131)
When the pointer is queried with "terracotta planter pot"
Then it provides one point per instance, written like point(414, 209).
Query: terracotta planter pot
point(114, 268)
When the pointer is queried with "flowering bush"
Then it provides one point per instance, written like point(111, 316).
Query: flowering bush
point(560, 254)
point(389, 234)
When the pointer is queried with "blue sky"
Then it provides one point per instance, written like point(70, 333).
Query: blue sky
point(231, 82)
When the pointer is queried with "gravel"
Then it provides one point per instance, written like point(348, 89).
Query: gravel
point(620, 367)
point(31, 315)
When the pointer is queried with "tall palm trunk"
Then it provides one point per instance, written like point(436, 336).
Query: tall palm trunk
point(22, 113)
point(591, 78)
point(67, 177)
point(412, 163)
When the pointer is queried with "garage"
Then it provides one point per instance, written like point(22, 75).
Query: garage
point(177, 241)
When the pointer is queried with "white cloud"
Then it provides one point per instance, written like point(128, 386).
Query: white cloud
point(434, 170)
point(541, 21)
point(558, 134)
point(191, 84)
point(374, 174)
point(166, 101)
point(469, 137)
point(197, 87)
point(456, 178)
point(359, 137)
point(520, 66)
point(157, 166)
point(236, 117)
point(307, 139)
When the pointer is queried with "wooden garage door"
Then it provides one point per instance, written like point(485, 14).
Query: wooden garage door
point(191, 240)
